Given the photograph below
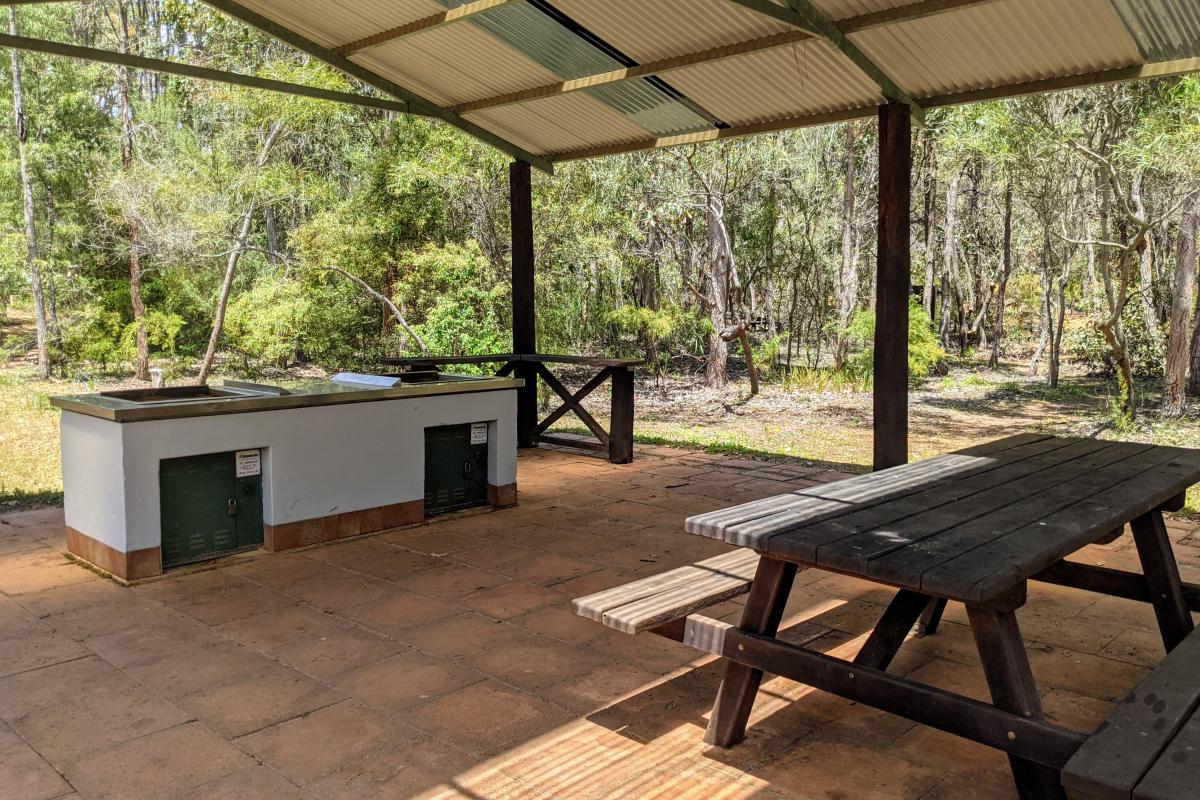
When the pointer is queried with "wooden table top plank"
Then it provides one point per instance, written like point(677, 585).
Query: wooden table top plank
point(761, 517)
point(987, 570)
point(913, 564)
point(1114, 759)
point(977, 496)
point(817, 503)
point(1010, 464)
point(965, 526)
point(772, 512)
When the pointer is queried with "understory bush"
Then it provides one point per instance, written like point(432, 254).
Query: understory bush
point(654, 334)
point(925, 353)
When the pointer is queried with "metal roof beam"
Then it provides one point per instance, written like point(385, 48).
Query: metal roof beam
point(876, 19)
point(804, 15)
point(438, 20)
point(417, 104)
point(193, 71)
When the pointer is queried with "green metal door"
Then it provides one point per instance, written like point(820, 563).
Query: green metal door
point(455, 467)
point(207, 511)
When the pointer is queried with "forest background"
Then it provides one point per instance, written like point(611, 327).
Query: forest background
point(148, 221)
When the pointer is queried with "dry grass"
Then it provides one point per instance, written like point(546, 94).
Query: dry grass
point(30, 471)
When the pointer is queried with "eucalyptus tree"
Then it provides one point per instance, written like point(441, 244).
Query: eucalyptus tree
point(31, 258)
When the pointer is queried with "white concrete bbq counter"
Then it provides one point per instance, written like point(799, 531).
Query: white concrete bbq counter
point(335, 459)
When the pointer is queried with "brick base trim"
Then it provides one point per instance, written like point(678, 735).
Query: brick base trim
point(340, 526)
point(131, 566)
point(502, 496)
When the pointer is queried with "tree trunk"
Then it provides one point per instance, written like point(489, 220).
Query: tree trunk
point(235, 255)
point(846, 286)
point(930, 228)
point(718, 288)
point(949, 256)
point(31, 247)
point(1179, 338)
point(1047, 311)
point(142, 364)
point(1145, 268)
point(686, 258)
point(1005, 271)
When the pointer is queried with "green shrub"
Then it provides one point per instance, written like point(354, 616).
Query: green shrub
point(766, 356)
point(265, 324)
point(1083, 343)
point(925, 353)
point(654, 334)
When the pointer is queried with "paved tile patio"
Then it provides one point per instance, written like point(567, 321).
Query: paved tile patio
point(443, 661)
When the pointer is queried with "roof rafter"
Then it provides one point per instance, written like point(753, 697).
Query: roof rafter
point(438, 20)
point(192, 71)
point(1161, 69)
point(417, 103)
point(804, 15)
point(710, 55)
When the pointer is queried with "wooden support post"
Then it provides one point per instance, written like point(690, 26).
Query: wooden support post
point(620, 429)
point(523, 309)
point(931, 617)
point(893, 270)
point(884, 642)
point(1011, 683)
point(764, 610)
point(1162, 578)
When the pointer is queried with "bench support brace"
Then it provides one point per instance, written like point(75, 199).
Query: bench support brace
point(764, 610)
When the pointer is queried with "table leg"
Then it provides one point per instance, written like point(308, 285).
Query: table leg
point(764, 610)
point(1010, 681)
point(931, 618)
point(895, 624)
point(1162, 577)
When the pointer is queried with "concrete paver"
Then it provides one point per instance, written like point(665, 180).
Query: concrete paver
point(443, 662)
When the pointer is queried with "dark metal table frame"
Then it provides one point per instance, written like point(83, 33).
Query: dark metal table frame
point(1014, 721)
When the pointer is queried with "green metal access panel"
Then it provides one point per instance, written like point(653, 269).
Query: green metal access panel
point(211, 505)
point(455, 467)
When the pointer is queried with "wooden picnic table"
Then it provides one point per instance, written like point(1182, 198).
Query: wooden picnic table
point(972, 526)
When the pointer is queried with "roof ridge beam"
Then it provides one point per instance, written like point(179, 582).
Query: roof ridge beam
point(804, 15)
point(200, 73)
point(417, 103)
point(862, 22)
point(438, 20)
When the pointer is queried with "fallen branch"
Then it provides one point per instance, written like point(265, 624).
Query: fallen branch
point(738, 332)
point(387, 303)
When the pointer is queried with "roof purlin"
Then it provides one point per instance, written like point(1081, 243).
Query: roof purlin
point(1162, 69)
point(862, 22)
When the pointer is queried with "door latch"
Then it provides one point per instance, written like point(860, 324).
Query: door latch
point(233, 507)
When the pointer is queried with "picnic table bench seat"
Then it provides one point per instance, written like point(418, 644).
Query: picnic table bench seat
point(1149, 747)
point(669, 596)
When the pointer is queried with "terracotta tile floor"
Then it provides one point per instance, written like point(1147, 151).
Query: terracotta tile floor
point(442, 661)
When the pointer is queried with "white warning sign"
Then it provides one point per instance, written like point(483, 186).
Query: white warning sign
point(479, 433)
point(249, 463)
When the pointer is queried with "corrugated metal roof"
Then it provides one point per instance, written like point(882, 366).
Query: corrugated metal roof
point(515, 61)
point(1001, 43)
